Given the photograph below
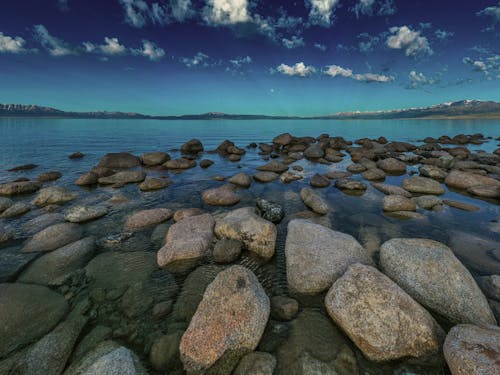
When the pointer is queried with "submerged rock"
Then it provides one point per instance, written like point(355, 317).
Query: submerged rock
point(152, 183)
point(382, 320)
point(5, 203)
point(221, 196)
point(17, 209)
point(350, 184)
point(256, 363)
point(475, 251)
point(187, 212)
point(241, 179)
point(265, 176)
point(80, 214)
point(180, 164)
point(86, 179)
point(53, 237)
point(122, 178)
point(273, 166)
point(54, 195)
point(49, 176)
point(319, 181)
point(461, 205)
point(228, 322)
point(19, 188)
point(146, 218)
point(165, 351)
point(314, 201)
point(227, 250)
point(12, 262)
point(391, 189)
point(284, 308)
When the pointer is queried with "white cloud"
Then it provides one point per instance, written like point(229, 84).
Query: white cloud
point(418, 80)
point(368, 42)
point(321, 12)
point(299, 70)
point(240, 61)
point(320, 46)
point(150, 50)
point(136, 12)
point(181, 9)
point(443, 34)
point(338, 71)
point(226, 12)
point(490, 65)
point(411, 41)
point(112, 46)
point(374, 7)
point(493, 12)
point(55, 46)
point(10, 44)
point(293, 42)
point(89, 47)
point(198, 60)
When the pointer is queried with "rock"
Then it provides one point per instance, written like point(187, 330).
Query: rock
point(180, 164)
point(5, 203)
point(319, 181)
point(273, 166)
point(461, 205)
point(187, 212)
point(38, 223)
point(391, 189)
point(27, 312)
point(221, 196)
point(162, 309)
point(314, 152)
point(49, 176)
point(119, 160)
point(256, 363)
point(135, 301)
point(270, 211)
point(122, 178)
point(429, 272)
point(283, 139)
point(24, 167)
point(465, 180)
point(334, 175)
point(485, 191)
point(76, 155)
point(373, 174)
point(490, 285)
point(316, 256)
point(146, 218)
point(205, 163)
point(398, 203)
point(405, 215)
point(53, 237)
point(241, 179)
point(472, 350)
point(428, 202)
point(80, 214)
point(314, 201)
point(432, 171)
point(284, 308)
point(102, 171)
point(392, 166)
point(17, 209)
point(382, 320)
point(6, 235)
point(422, 185)
point(19, 188)
point(288, 177)
point(228, 322)
point(265, 176)
point(91, 339)
point(49, 355)
point(475, 251)
point(187, 240)
point(350, 184)
point(89, 178)
point(193, 146)
point(54, 195)
point(154, 158)
point(152, 183)
point(54, 266)
point(12, 262)
point(234, 157)
point(227, 250)
point(243, 224)
point(165, 351)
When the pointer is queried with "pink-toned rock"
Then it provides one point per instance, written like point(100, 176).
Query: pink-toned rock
point(221, 196)
point(147, 218)
point(187, 212)
point(465, 180)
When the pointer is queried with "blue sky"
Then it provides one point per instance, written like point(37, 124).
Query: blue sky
point(304, 57)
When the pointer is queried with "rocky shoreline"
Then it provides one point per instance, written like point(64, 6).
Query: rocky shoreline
point(254, 273)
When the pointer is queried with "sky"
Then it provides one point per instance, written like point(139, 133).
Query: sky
point(304, 57)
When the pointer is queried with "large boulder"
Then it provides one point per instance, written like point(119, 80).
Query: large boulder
point(473, 350)
point(55, 265)
point(316, 256)
point(18, 188)
point(27, 312)
point(243, 224)
point(54, 195)
point(146, 218)
point(429, 272)
point(119, 160)
point(221, 196)
point(382, 320)
point(12, 262)
point(314, 201)
point(422, 185)
point(193, 146)
point(53, 237)
point(187, 240)
point(283, 139)
point(229, 321)
point(314, 152)
point(122, 178)
point(465, 180)
point(154, 158)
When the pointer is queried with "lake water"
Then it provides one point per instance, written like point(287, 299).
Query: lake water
point(48, 142)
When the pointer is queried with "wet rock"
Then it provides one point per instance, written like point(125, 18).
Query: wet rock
point(265, 176)
point(5, 203)
point(227, 250)
point(119, 160)
point(153, 183)
point(422, 185)
point(490, 285)
point(314, 152)
point(27, 312)
point(243, 224)
point(356, 168)
point(429, 272)
point(154, 158)
point(472, 350)
point(228, 322)
point(428, 202)
point(392, 166)
point(461, 205)
point(382, 320)
point(12, 262)
point(350, 184)
point(405, 215)
point(283, 139)
point(288, 177)
point(54, 266)
point(147, 218)
point(97, 335)
point(162, 309)
point(19, 188)
point(319, 181)
point(432, 171)
point(187, 212)
point(270, 211)
point(464, 180)
point(54, 195)
point(333, 175)
point(53, 237)
point(80, 214)
point(475, 251)
point(193, 146)
point(314, 201)
point(188, 239)
point(17, 209)
point(205, 163)
point(89, 178)
point(391, 189)
point(135, 301)
point(6, 234)
point(485, 191)
point(316, 256)
point(165, 353)
point(241, 179)
point(180, 164)
point(102, 171)
point(234, 157)
point(273, 166)
point(76, 155)
point(221, 196)
point(256, 363)
point(122, 178)
point(284, 308)
point(49, 176)
point(398, 203)
point(373, 174)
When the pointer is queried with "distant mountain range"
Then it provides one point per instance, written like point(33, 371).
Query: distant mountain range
point(460, 109)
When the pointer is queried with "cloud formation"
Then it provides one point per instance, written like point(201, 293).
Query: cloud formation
point(138, 13)
point(226, 12)
point(443, 34)
point(320, 46)
point(412, 42)
point(417, 80)
point(293, 42)
point(10, 44)
point(297, 70)
point(321, 11)
point(374, 7)
point(489, 66)
point(55, 46)
point(338, 71)
point(198, 60)
point(150, 50)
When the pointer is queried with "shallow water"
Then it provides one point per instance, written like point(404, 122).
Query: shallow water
point(48, 142)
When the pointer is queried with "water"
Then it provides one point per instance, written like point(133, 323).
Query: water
point(48, 142)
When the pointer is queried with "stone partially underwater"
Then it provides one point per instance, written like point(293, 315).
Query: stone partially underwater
point(299, 256)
